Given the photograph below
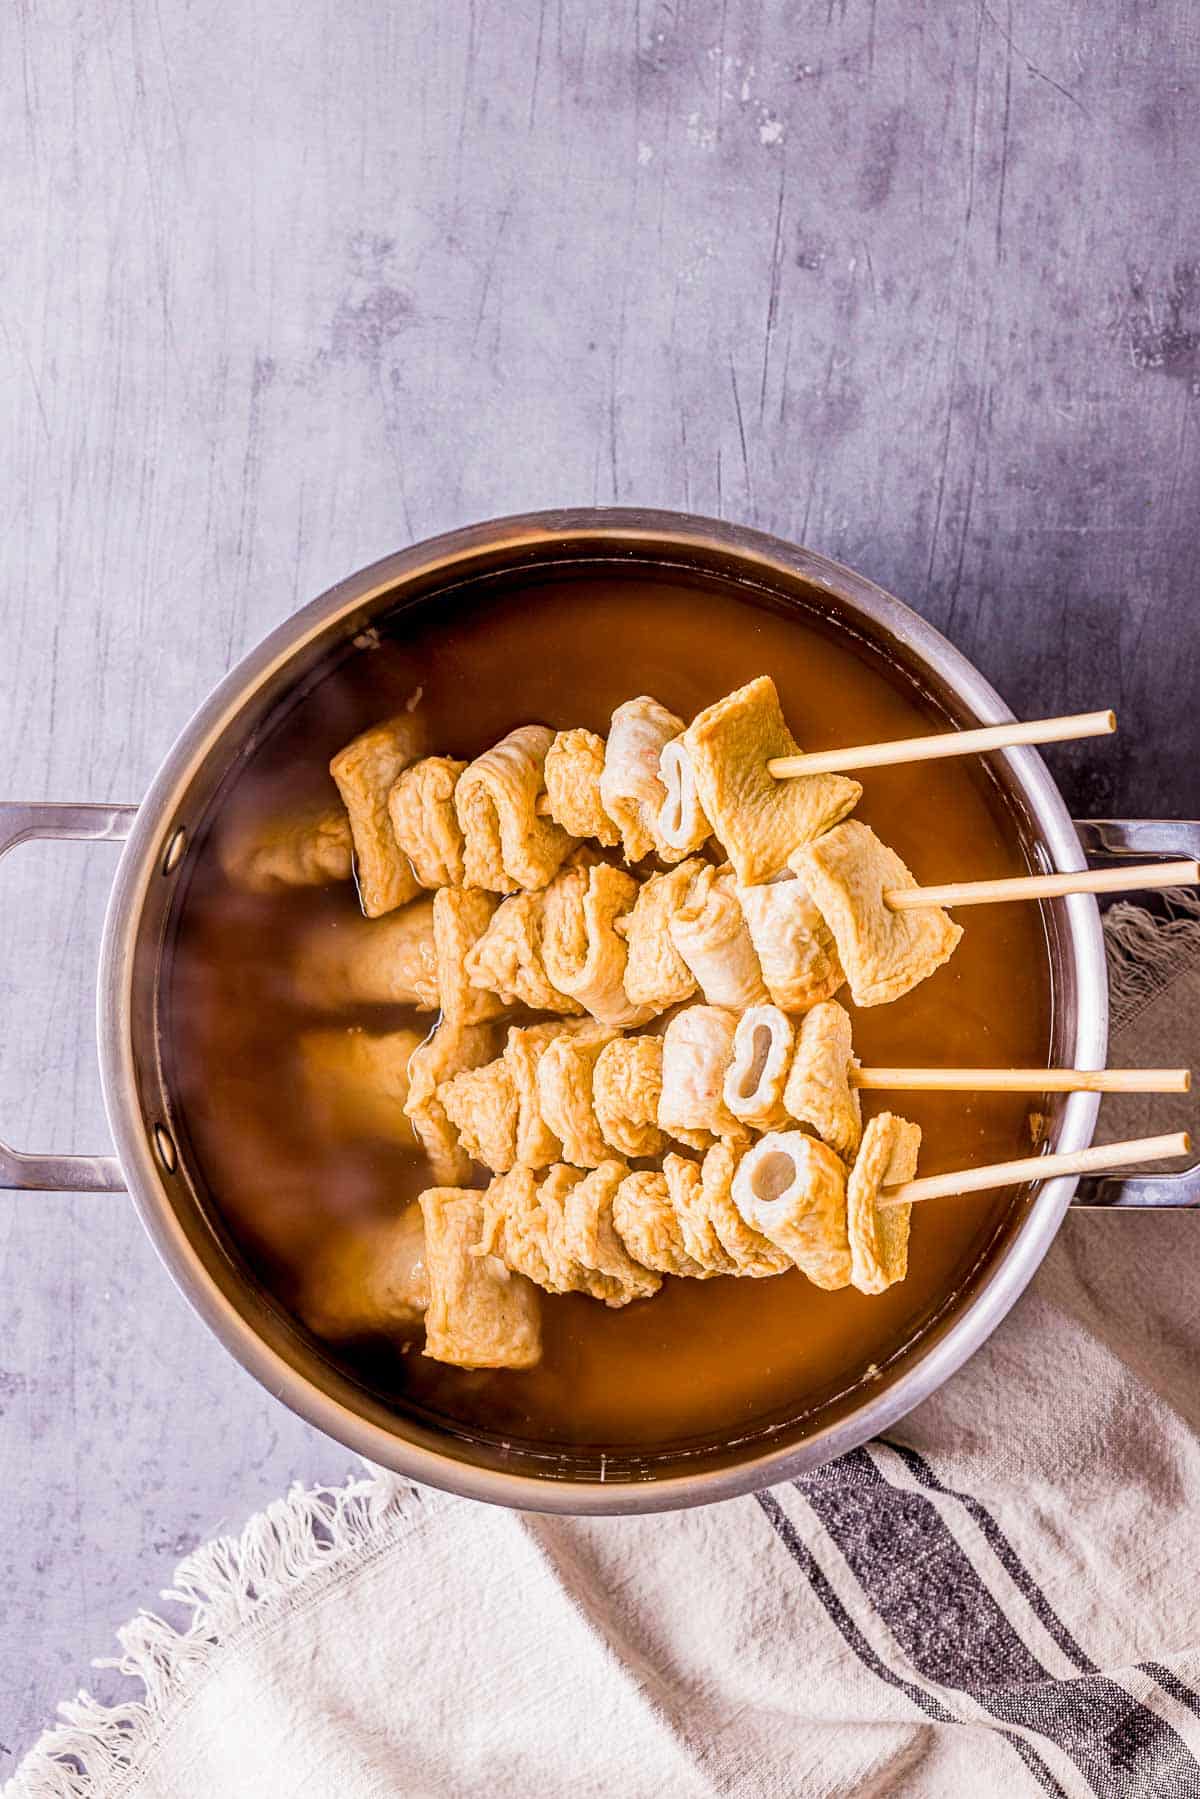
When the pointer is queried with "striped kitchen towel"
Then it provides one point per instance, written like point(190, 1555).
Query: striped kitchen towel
point(1002, 1598)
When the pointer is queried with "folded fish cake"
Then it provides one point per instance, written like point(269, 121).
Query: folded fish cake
point(646, 1223)
point(513, 1226)
point(481, 1104)
point(451, 1050)
point(885, 953)
point(752, 1254)
point(357, 1083)
point(879, 1234)
point(365, 772)
point(507, 960)
point(792, 1189)
point(574, 765)
point(424, 822)
point(794, 945)
point(818, 1091)
point(307, 846)
point(685, 1189)
point(507, 846)
point(758, 1068)
point(626, 1089)
point(697, 1046)
point(583, 953)
point(656, 975)
point(591, 1237)
point(631, 789)
point(758, 820)
point(480, 1314)
point(710, 934)
point(564, 1090)
point(567, 1273)
point(461, 917)
point(338, 963)
point(525, 1049)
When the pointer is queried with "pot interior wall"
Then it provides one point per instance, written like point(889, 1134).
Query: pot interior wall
point(184, 1183)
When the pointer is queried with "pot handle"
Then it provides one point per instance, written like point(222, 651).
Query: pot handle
point(21, 821)
point(1120, 840)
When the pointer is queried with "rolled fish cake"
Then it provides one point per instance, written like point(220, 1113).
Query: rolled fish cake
point(591, 1237)
point(583, 953)
point(366, 771)
point(631, 788)
point(710, 934)
point(506, 845)
point(885, 953)
point(758, 820)
point(646, 1223)
point(626, 1090)
point(879, 1234)
point(452, 1049)
point(338, 963)
point(656, 975)
point(697, 1046)
point(758, 1068)
point(356, 1082)
point(480, 1314)
point(818, 1091)
point(304, 846)
point(424, 822)
point(369, 1281)
point(574, 766)
point(791, 1188)
point(794, 945)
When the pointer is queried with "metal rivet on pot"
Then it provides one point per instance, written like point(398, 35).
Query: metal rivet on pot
point(164, 1147)
point(174, 851)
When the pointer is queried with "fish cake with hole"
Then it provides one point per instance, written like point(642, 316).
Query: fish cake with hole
point(791, 1188)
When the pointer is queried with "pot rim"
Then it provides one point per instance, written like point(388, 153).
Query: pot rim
point(606, 529)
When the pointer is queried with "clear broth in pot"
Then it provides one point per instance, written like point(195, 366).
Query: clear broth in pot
point(704, 1360)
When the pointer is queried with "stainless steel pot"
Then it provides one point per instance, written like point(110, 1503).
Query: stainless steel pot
point(169, 1195)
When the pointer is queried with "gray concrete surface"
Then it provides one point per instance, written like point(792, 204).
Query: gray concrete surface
point(285, 286)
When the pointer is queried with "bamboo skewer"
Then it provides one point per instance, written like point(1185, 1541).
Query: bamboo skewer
point(1023, 1080)
point(1037, 1168)
point(1053, 886)
point(943, 743)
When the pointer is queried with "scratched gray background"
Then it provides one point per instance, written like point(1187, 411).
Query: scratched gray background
point(285, 286)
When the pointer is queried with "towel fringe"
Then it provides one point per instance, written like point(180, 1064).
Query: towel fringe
point(1145, 954)
point(223, 1586)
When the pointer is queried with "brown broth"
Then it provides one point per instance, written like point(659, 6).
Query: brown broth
point(710, 1360)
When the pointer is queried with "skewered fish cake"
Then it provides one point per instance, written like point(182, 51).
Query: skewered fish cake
point(792, 1189)
point(758, 1068)
point(710, 934)
point(647, 1225)
point(461, 916)
point(507, 959)
point(424, 822)
point(795, 946)
point(685, 1188)
point(452, 1049)
point(818, 1091)
point(591, 1237)
point(655, 973)
point(583, 954)
point(758, 820)
point(695, 1054)
point(682, 823)
point(752, 1254)
point(357, 1083)
point(371, 1281)
point(879, 1235)
point(480, 1314)
point(574, 765)
point(884, 953)
point(525, 1051)
point(365, 772)
point(631, 791)
point(524, 1224)
point(564, 1094)
point(368, 962)
point(310, 847)
point(506, 845)
point(481, 1104)
point(626, 1089)
point(572, 1276)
